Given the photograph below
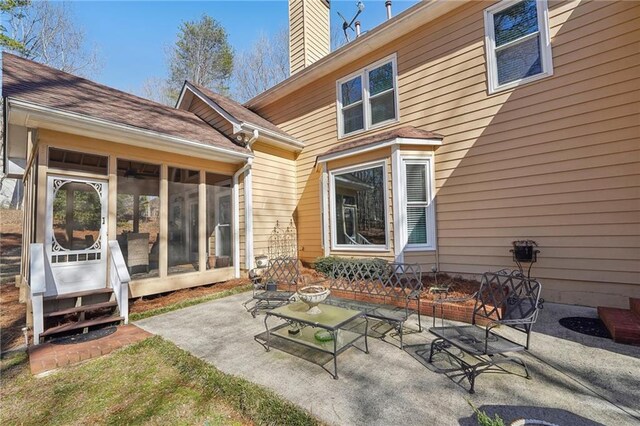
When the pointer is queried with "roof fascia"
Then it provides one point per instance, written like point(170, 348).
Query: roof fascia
point(34, 115)
point(238, 126)
point(404, 23)
point(274, 138)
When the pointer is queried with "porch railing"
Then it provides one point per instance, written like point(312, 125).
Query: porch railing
point(119, 279)
point(38, 284)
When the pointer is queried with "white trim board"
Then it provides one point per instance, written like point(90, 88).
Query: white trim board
point(32, 115)
point(377, 145)
point(275, 138)
point(332, 208)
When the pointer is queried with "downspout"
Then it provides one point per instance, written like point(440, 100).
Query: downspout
point(236, 217)
point(248, 207)
point(248, 213)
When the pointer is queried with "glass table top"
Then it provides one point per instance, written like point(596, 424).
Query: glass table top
point(329, 317)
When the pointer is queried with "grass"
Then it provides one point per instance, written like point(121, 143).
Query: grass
point(190, 302)
point(151, 382)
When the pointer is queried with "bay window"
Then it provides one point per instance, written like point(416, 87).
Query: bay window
point(359, 207)
point(368, 98)
point(517, 43)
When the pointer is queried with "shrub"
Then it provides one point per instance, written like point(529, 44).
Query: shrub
point(369, 267)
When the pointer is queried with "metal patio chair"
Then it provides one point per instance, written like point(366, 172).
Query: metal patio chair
point(273, 285)
point(506, 301)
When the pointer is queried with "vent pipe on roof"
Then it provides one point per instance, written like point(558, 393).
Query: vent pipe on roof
point(388, 6)
point(357, 29)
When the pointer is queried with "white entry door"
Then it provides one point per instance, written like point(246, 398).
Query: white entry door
point(76, 234)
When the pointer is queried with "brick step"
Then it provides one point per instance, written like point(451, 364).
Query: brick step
point(634, 302)
point(84, 308)
point(623, 324)
point(80, 324)
point(79, 294)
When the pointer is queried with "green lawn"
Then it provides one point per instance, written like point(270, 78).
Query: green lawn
point(151, 382)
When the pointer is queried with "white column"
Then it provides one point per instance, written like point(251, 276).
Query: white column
point(248, 217)
point(398, 204)
point(325, 210)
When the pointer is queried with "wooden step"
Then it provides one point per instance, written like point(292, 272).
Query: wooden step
point(623, 324)
point(84, 308)
point(634, 303)
point(79, 294)
point(81, 324)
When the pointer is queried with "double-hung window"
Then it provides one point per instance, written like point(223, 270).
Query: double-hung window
point(368, 98)
point(517, 43)
point(419, 209)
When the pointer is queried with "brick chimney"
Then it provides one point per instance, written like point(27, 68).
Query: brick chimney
point(309, 32)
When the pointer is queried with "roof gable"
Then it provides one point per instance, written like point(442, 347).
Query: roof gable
point(234, 113)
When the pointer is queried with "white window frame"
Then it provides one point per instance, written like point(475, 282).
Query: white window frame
point(366, 99)
point(546, 56)
point(400, 195)
point(332, 208)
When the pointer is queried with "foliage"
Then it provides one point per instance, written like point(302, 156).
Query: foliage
point(48, 33)
point(263, 66)
point(151, 382)
point(9, 8)
point(201, 55)
point(86, 209)
point(325, 264)
point(484, 419)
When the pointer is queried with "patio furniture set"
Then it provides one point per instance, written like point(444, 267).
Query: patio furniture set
point(360, 297)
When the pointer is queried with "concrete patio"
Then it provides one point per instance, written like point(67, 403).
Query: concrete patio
point(576, 379)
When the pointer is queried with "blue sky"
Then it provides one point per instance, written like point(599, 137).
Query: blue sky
point(133, 36)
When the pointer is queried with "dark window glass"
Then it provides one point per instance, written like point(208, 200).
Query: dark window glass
point(78, 161)
point(138, 217)
point(360, 207)
point(515, 22)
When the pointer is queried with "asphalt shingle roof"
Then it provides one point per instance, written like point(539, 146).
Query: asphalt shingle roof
point(409, 132)
point(240, 112)
point(41, 85)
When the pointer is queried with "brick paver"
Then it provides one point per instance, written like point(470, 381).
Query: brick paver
point(48, 357)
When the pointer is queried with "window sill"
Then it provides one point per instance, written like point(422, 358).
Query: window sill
point(517, 83)
point(377, 249)
point(380, 125)
point(408, 249)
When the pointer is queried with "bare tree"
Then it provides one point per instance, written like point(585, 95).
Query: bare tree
point(157, 89)
point(49, 34)
point(262, 66)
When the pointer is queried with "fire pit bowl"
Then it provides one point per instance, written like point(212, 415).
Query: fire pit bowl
point(313, 295)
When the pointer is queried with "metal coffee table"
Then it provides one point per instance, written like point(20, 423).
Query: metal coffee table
point(333, 319)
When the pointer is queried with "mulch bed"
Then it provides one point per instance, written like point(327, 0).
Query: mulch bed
point(148, 303)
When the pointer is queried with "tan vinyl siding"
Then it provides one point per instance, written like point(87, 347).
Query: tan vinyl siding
point(208, 114)
point(308, 33)
point(556, 160)
point(274, 193)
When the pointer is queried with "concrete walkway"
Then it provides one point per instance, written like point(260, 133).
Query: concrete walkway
point(577, 379)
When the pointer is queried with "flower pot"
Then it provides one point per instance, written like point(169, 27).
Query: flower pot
point(313, 295)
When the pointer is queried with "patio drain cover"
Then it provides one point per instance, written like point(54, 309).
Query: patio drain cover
point(86, 337)
point(589, 326)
